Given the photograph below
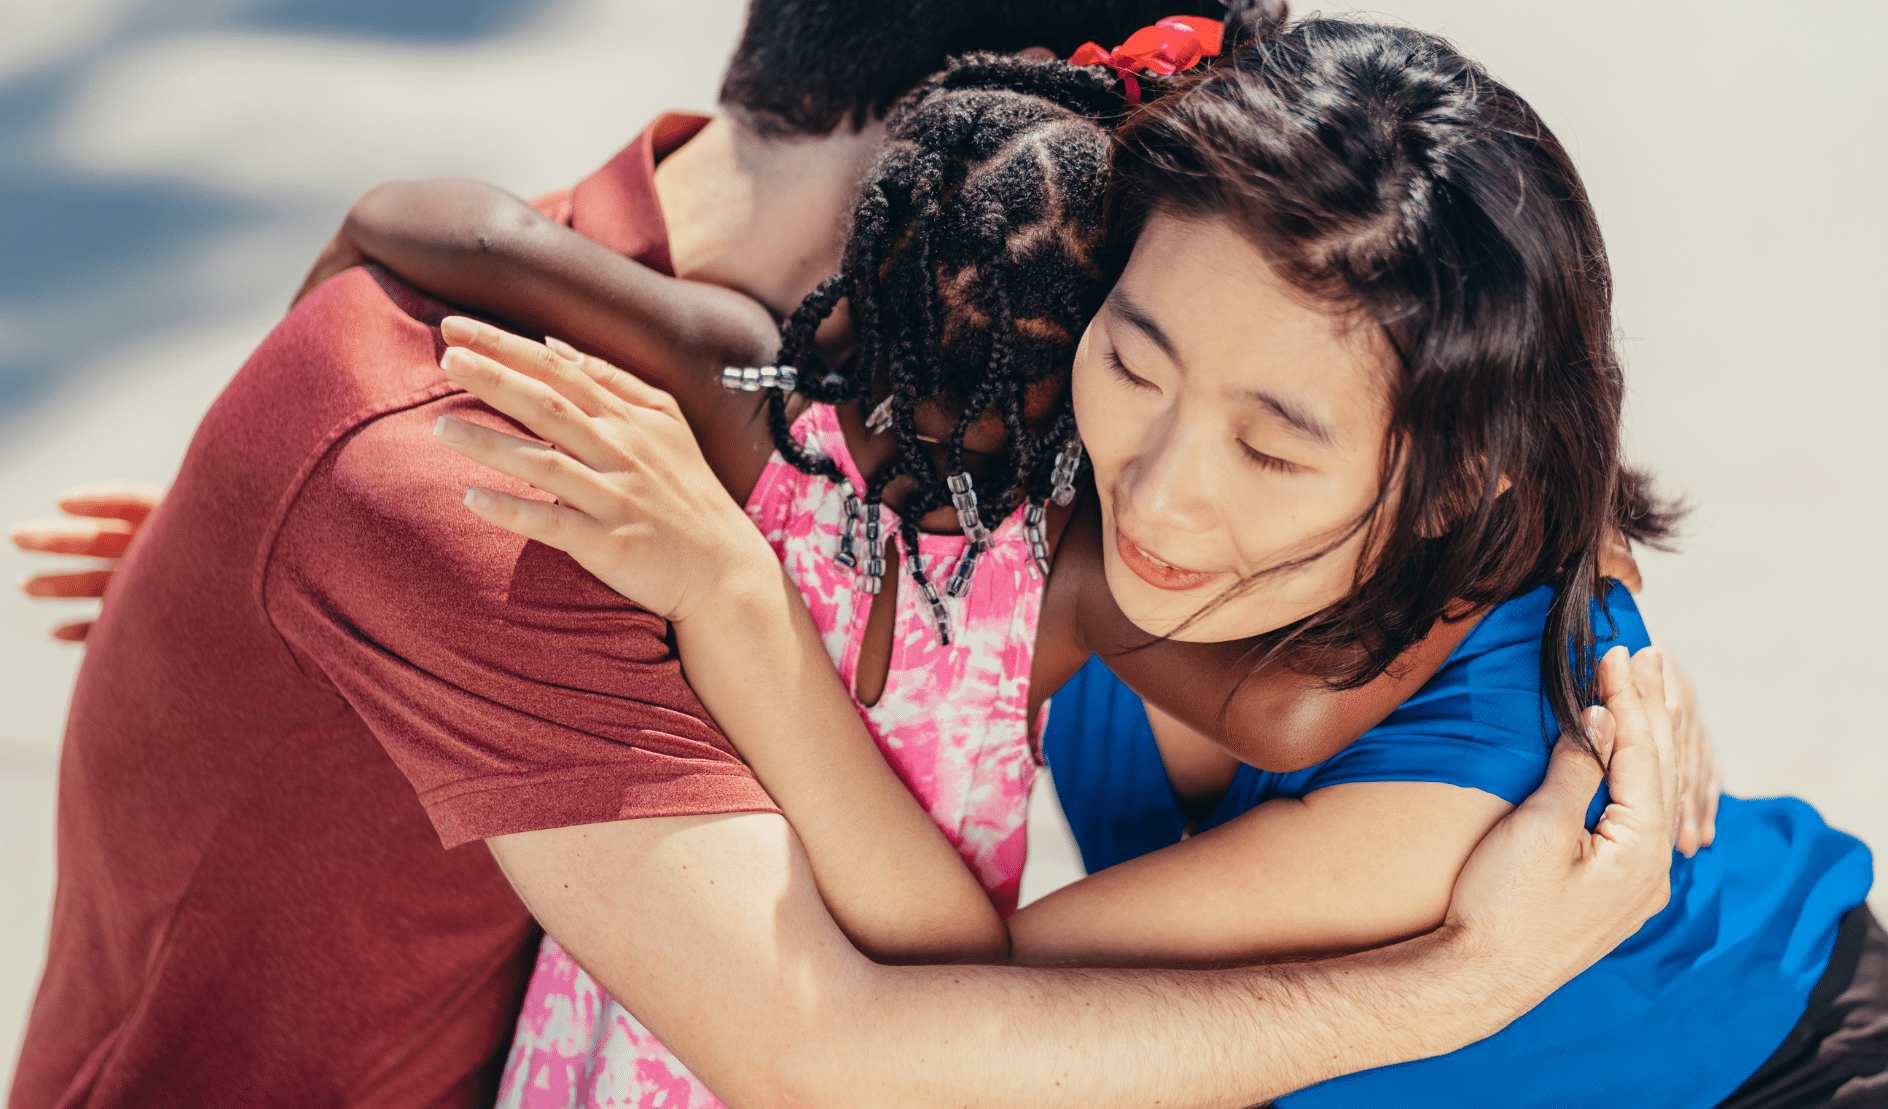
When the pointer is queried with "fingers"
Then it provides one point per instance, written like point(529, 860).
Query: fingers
point(1648, 675)
point(1638, 769)
point(73, 633)
point(130, 501)
point(1693, 751)
point(1573, 776)
point(95, 538)
point(547, 413)
point(85, 583)
point(564, 377)
point(536, 464)
point(1616, 561)
point(550, 524)
point(1708, 817)
point(624, 385)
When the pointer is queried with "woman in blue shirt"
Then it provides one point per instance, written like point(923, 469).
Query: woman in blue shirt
point(1680, 1015)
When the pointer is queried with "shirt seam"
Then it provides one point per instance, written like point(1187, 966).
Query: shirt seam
point(291, 496)
point(471, 787)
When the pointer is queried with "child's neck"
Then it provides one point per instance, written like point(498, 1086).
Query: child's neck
point(759, 214)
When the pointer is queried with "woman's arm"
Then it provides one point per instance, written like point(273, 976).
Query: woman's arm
point(638, 508)
point(483, 249)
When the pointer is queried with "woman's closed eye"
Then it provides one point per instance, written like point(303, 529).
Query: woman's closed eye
point(1128, 377)
point(1270, 462)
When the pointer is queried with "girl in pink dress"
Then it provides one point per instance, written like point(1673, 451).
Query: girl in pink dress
point(951, 713)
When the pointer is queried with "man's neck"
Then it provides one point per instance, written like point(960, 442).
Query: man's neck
point(765, 216)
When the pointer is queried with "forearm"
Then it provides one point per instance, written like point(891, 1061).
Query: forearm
point(891, 880)
point(1213, 1038)
point(713, 935)
point(477, 246)
point(1349, 867)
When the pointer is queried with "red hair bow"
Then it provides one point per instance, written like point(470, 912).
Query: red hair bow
point(1176, 43)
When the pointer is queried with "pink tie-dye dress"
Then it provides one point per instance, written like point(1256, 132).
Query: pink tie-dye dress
point(953, 721)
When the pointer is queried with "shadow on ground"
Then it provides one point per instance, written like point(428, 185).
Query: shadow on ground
point(91, 262)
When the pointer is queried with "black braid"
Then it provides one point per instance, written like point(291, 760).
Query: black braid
point(796, 349)
point(974, 262)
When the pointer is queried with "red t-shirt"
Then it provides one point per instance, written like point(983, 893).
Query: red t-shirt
point(317, 681)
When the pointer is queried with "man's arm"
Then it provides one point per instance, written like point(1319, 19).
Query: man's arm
point(711, 931)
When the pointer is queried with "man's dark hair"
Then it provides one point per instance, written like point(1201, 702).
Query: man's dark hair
point(807, 66)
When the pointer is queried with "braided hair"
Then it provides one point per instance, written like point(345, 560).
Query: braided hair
point(973, 264)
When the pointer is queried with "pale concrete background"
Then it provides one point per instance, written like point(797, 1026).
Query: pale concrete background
point(168, 169)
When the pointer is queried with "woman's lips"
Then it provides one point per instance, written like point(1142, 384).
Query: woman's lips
point(1156, 571)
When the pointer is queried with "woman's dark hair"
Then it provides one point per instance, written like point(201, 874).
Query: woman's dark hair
point(972, 266)
point(808, 66)
point(1381, 172)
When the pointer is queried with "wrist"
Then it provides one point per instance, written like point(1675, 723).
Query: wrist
point(741, 588)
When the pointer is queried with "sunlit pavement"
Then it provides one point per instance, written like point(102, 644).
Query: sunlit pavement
point(168, 169)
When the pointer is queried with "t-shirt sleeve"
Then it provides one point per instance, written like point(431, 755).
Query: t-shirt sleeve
point(514, 690)
point(1440, 741)
point(1481, 722)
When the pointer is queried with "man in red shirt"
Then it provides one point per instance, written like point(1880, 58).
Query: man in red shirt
point(315, 685)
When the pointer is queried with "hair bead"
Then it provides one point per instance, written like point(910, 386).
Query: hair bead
point(964, 498)
point(872, 574)
point(940, 613)
point(959, 583)
point(1032, 533)
point(1067, 462)
point(847, 555)
point(880, 421)
point(752, 379)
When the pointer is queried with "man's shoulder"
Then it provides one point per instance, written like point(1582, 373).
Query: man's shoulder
point(361, 345)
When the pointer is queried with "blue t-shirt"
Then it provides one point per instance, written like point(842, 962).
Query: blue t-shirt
point(1677, 1016)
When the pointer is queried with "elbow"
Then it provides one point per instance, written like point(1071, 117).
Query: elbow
point(833, 1074)
point(987, 947)
point(817, 1065)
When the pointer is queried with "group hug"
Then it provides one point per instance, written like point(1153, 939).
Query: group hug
point(598, 651)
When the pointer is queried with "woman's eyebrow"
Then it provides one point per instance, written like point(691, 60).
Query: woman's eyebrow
point(1125, 307)
point(1298, 418)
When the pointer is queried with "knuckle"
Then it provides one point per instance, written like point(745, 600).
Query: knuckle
point(555, 408)
point(546, 463)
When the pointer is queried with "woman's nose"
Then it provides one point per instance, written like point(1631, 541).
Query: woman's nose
point(1170, 483)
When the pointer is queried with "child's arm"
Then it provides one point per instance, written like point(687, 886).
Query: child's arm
point(1275, 719)
point(483, 249)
